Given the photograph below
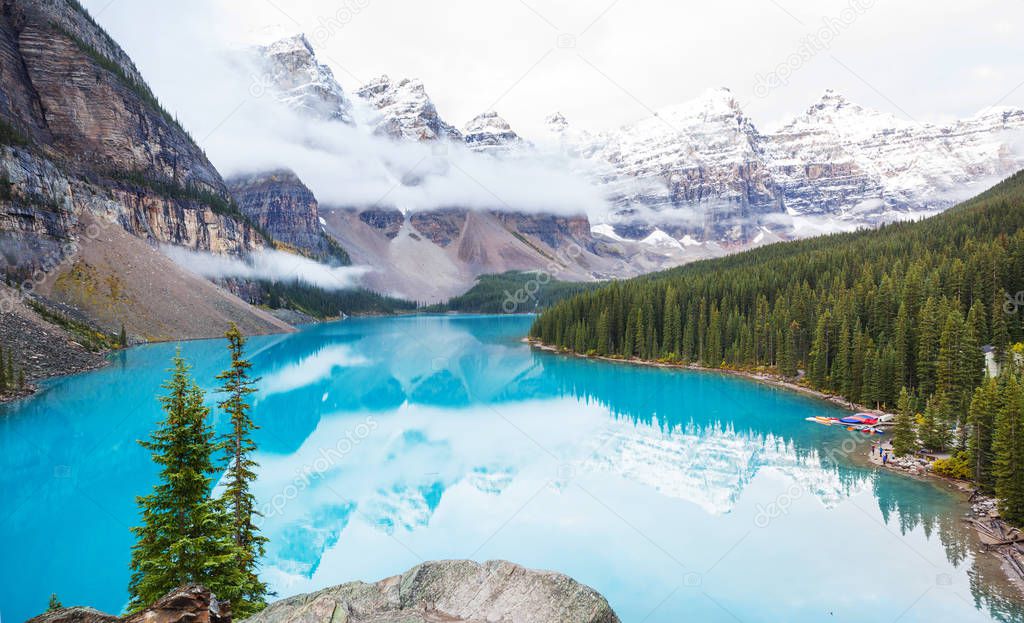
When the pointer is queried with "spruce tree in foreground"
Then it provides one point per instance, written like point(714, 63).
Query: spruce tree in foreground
point(185, 535)
point(241, 472)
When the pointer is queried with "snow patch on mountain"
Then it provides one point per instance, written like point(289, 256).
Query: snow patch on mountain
point(658, 238)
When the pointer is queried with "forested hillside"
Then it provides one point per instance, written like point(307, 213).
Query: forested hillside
point(512, 292)
point(863, 315)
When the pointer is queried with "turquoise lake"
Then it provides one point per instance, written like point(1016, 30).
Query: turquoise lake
point(678, 495)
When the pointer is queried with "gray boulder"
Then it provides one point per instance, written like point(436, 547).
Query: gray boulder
point(449, 591)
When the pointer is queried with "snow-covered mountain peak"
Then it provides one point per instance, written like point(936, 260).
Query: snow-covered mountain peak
point(714, 105)
point(297, 43)
point(836, 112)
point(403, 110)
point(292, 71)
point(832, 100)
point(489, 120)
point(720, 98)
point(556, 123)
point(489, 132)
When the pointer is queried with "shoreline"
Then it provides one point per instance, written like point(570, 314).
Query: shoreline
point(994, 536)
point(101, 359)
point(761, 377)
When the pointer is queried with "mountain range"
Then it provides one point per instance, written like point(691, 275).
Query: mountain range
point(691, 181)
point(98, 178)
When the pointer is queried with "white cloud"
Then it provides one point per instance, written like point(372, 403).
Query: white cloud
point(269, 264)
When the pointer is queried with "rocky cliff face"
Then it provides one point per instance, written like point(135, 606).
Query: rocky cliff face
point(451, 590)
point(286, 209)
point(93, 175)
point(73, 102)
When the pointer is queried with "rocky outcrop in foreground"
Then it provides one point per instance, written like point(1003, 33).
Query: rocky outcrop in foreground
point(188, 604)
point(433, 592)
point(449, 590)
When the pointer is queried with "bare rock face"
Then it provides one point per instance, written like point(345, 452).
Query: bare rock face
point(285, 208)
point(76, 114)
point(556, 231)
point(100, 112)
point(388, 220)
point(439, 226)
point(78, 614)
point(449, 591)
point(94, 174)
point(187, 604)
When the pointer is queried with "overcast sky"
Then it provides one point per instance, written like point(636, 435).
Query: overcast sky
point(605, 62)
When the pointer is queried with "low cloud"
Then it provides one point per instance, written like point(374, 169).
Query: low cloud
point(270, 265)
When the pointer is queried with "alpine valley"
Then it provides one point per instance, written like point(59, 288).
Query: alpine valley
point(280, 344)
point(102, 188)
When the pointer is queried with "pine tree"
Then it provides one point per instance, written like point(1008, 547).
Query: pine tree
point(122, 338)
point(54, 603)
point(981, 421)
point(602, 333)
point(947, 365)
point(1008, 446)
point(787, 358)
point(904, 430)
point(241, 473)
point(927, 346)
point(714, 350)
point(820, 363)
point(1000, 330)
point(934, 430)
point(904, 347)
point(185, 536)
point(629, 346)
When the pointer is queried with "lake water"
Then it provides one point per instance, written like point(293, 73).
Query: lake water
point(384, 442)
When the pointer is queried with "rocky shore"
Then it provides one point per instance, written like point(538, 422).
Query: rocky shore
point(1000, 539)
point(432, 592)
point(40, 348)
